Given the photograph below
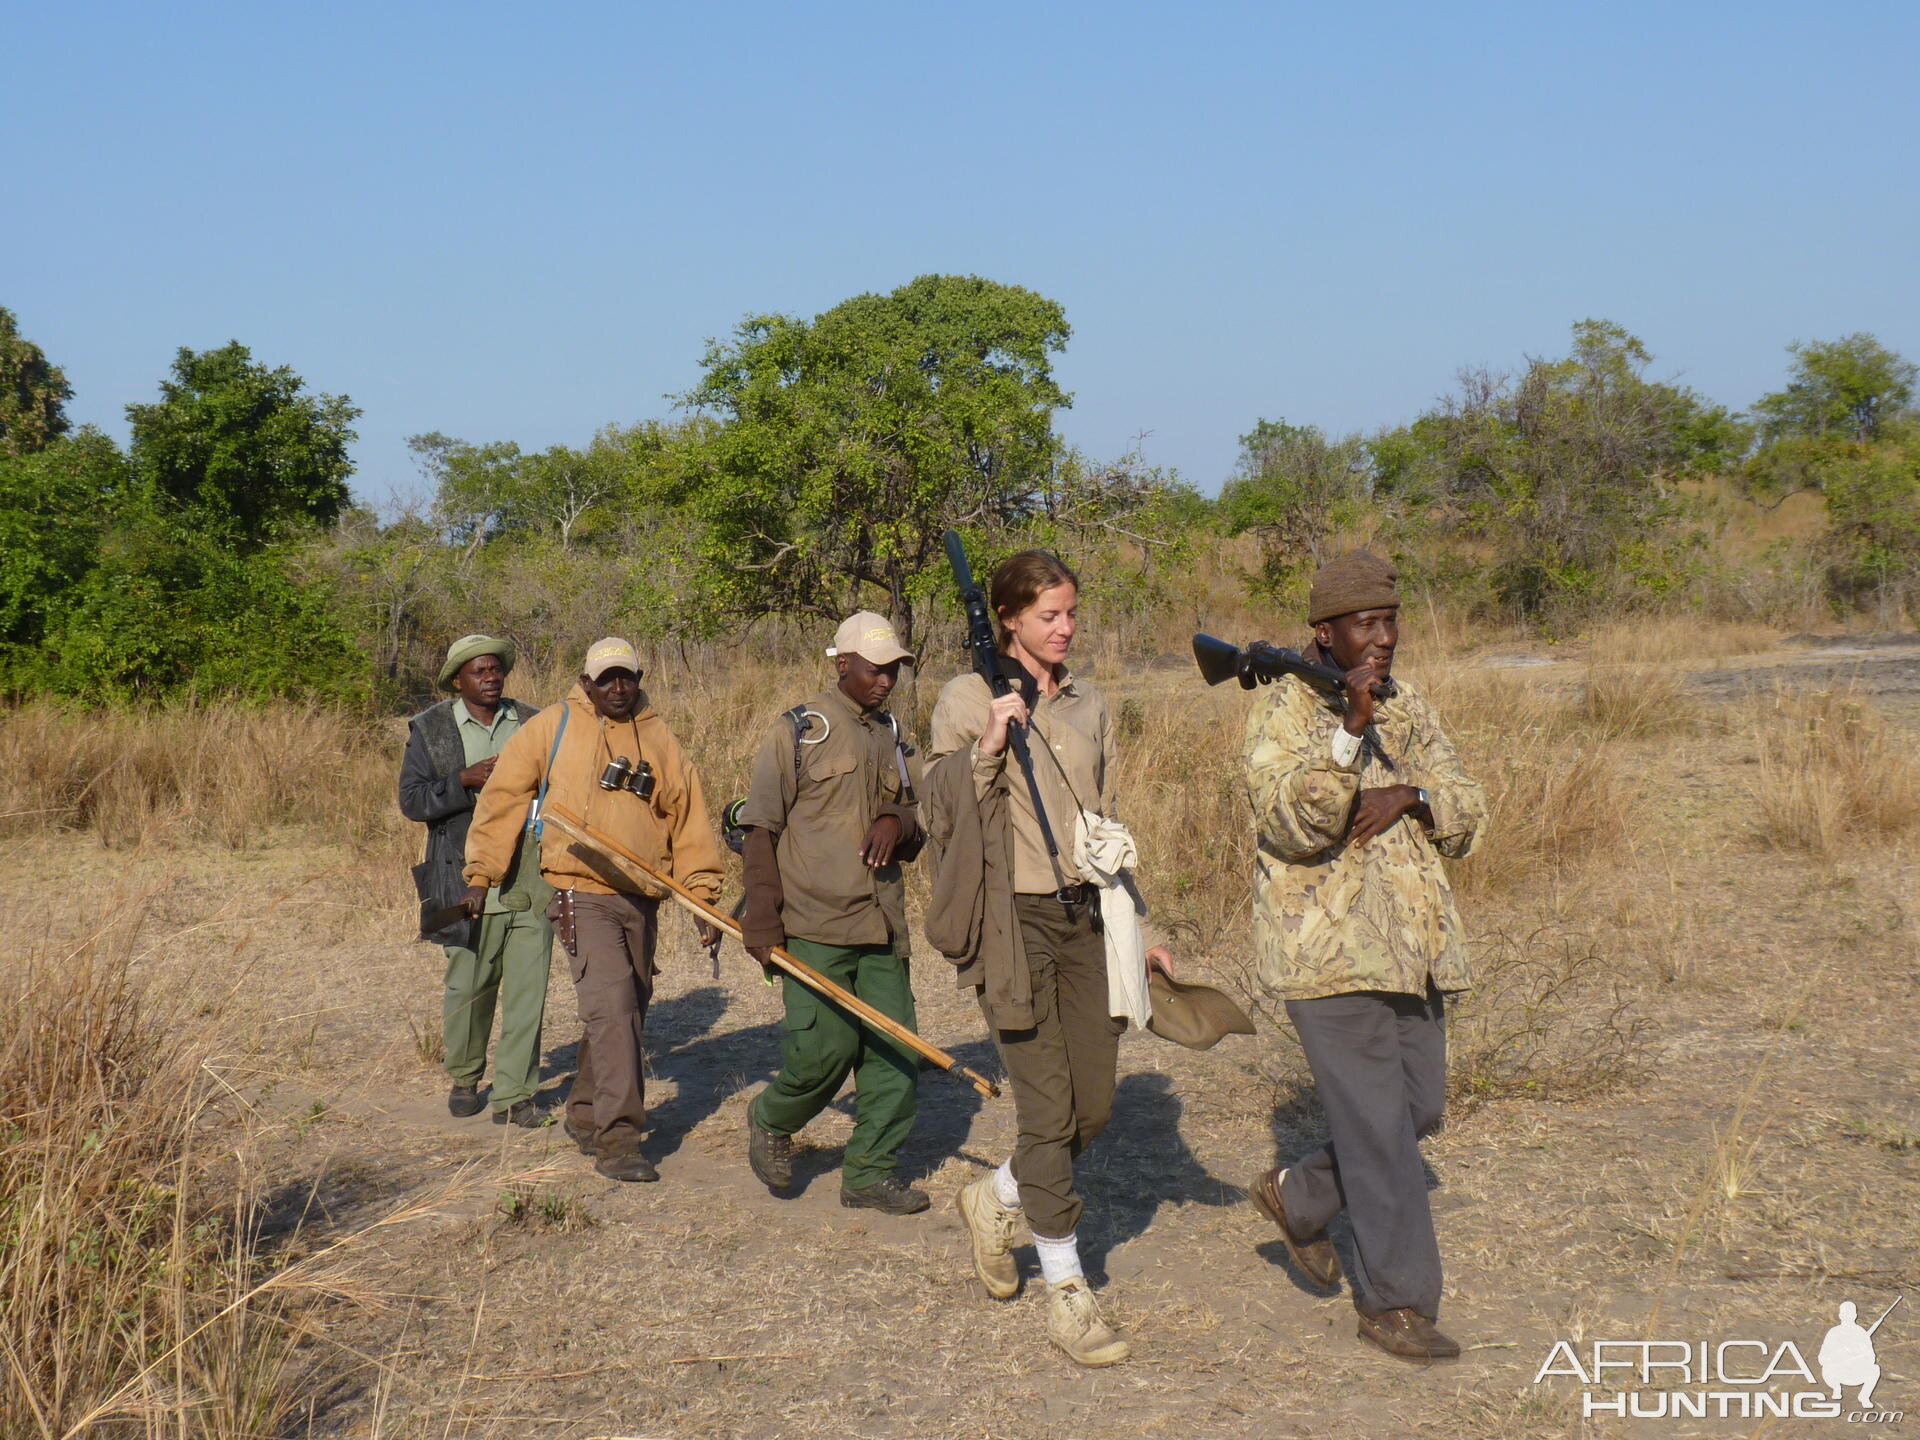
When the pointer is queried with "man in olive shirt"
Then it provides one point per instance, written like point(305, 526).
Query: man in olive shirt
point(501, 960)
point(829, 819)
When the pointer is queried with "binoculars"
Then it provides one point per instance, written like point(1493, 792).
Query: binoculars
point(623, 774)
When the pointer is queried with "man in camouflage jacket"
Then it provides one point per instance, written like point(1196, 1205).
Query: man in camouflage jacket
point(1355, 927)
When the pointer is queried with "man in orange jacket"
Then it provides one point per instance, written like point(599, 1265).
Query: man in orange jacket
point(607, 922)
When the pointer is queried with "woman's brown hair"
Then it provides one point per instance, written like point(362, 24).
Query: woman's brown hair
point(1018, 580)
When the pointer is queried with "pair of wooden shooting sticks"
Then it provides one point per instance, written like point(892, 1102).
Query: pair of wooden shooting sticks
point(576, 829)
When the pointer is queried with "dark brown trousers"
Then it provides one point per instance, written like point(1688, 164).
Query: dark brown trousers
point(612, 961)
point(1062, 1069)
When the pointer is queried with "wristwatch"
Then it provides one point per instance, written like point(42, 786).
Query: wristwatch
point(1424, 803)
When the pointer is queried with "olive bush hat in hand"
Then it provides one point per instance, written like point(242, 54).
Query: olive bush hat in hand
point(1195, 1016)
point(472, 647)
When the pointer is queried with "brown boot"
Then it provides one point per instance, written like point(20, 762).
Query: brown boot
point(1408, 1335)
point(1313, 1254)
point(625, 1165)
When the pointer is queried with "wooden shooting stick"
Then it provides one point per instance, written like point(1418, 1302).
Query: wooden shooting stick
point(577, 829)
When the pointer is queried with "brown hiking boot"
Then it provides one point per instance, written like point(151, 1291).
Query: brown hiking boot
point(464, 1100)
point(769, 1156)
point(1313, 1254)
point(626, 1165)
point(1408, 1335)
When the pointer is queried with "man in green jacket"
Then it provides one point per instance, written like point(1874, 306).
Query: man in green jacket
point(829, 819)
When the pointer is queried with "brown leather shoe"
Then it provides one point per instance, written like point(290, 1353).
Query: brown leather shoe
point(1409, 1335)
point(625, 1165)
point(1314, 1254)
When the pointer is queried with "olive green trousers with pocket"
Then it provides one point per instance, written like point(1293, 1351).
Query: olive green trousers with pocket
point(821, 1045)
point(505, 971)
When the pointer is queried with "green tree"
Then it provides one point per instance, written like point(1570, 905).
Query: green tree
point(33, 393)
point(1873, 503)
point(169, 610)
point(849, 442)
point(244, 448)
point(1295, 490)
point(1567, 470)
point(1853, 388)
point(55, 504)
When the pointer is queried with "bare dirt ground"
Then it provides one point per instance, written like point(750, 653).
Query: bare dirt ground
point(1761, 1165)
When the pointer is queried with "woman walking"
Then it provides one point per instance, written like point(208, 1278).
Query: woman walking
point(1019, 920)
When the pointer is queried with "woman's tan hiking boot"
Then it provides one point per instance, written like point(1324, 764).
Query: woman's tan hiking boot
point(1075, 1324)
point(991, 1227)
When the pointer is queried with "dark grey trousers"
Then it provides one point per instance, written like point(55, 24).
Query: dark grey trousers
point(1380, 1063)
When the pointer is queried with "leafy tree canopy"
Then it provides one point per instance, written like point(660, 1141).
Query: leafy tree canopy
point(1853, 388)
point(54, 506)
point(33, 393)
point(245, 448)
point(849, 442)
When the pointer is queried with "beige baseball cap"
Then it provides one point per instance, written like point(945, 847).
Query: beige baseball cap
point(871, 637)
point(613, 653)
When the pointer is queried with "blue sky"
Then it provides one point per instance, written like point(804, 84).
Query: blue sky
point(523, 222)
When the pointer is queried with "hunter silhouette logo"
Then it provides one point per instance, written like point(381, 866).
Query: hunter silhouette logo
point(1745, 1379)
point(1846, 1355)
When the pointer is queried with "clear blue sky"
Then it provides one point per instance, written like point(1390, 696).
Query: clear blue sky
point(522, 222)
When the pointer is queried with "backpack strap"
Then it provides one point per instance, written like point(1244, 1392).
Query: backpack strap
point(797, 717)
point(536, 822)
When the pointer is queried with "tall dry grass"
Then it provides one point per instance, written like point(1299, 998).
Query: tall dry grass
point(219, 772)
point(1677, 640)
point(129, 1299)
point(1832, 773)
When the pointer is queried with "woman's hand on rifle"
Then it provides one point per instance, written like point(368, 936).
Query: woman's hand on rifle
point(1005, 710)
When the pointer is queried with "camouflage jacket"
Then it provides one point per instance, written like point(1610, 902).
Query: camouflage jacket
point(1329, 918)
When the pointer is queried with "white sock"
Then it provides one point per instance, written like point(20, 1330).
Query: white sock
point(1006, 1189)
point(1059, 1259)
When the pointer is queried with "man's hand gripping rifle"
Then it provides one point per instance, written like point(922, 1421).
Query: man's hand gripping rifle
point(985, 649)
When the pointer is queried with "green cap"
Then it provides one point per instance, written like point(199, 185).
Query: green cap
point(472, 647)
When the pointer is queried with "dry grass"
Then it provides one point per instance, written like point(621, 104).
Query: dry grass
point(128, 1298)
point(1558, 791)
point(1633, 702)
point(1677, 640)
point(1832, 773)
point(225, 773)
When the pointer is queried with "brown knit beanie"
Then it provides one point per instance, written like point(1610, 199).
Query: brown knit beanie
point(1359, 580)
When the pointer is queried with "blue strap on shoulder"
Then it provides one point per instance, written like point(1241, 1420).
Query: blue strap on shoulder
point(536, 822)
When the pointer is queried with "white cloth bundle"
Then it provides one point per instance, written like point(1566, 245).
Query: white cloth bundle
point(1104, 851)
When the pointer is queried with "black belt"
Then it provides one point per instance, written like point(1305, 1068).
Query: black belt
point(1074, 894)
